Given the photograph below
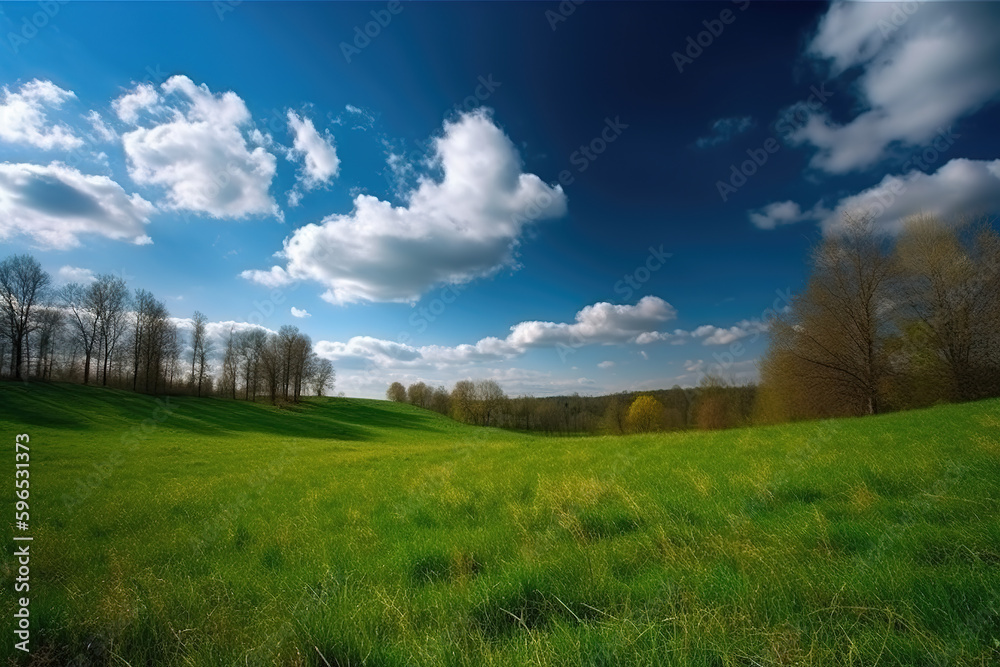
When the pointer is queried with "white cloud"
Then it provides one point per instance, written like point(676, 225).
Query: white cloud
point(920, 72)
point(74, 274)
point(24, 118)
point(601, 323)
point(300, 313)
point(201, 156)
point(606, 364)
point(364, 121)
point(958, 187)
point(101, 130)
point(465, 226)
point(274, 277)
point(725, 129)
point(317, 153)
point(55, 205)
point(777, 214)
point(707, 333)
point(141, 98)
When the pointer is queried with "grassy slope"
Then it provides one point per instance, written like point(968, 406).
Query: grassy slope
point(375, 533)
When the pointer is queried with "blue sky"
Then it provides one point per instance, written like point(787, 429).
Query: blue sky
point(468, 192)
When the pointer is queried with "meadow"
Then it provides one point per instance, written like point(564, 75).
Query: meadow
point(359, 532)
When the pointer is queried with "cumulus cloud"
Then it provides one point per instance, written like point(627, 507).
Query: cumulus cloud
point(101, 130)
point(777, 214)
point(24, 116)
point(315, 151)
point(74, 274)
point(300, 313)
point(708, 334)
point(725, 129)
point(450, 231)
point(273, 277)
point(141, 98)
point(601, 323)
point(922, 67)
point(713, 335)
point(959, 187)
point(606, 364)
point(55, 205)
point(199, 152)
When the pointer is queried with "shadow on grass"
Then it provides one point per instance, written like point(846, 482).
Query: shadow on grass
point(77, 407)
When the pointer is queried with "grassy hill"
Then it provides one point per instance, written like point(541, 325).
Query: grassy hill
point(349, 532)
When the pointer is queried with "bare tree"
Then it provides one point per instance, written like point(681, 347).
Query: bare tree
point(84, 306)
point(230, 364)
point(50, 321)
point(199, 351)
point(272, 365)
point(251, 347)
point(23, 284)
point(324, 376)
point(111, 296)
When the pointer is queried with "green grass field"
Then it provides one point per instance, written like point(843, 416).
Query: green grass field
point(359, 532)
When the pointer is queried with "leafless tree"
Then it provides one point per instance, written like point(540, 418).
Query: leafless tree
point(23, 285)
point(199, 351)
point(111, 298)
point(324, 376)
point(84, 307)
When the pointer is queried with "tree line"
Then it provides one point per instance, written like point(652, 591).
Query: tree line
point(885, 322)
point(103, 333)
point(714, 404)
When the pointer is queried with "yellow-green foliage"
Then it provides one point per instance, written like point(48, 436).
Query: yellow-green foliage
point(644, 415)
